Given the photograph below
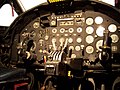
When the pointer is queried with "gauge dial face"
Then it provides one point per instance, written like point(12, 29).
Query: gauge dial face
point(77, 48)
point(61, 40)
point(62, 30)
point(71, 30)
point(89, 21)
point(54, 30)
point(112, 27)
point(100, 31)
point(70, 40)
point(89, 49)
point(79, 40)
point(36, 25)
point(98, 20)
point(89, 30)
point(79, 29)
point(98, 44)
point(115, 38)
point(89, 39)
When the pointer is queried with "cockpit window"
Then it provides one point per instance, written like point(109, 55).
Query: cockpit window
point(28, 4)
point(7, 15)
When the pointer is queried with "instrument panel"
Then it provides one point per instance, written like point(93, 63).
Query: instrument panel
point(81, 31)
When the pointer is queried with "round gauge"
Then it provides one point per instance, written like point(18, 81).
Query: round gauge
point(98, 44)
point(89, 21)
point(36, 25)
point(114, 48)
point(71, 47)
point(77, 48)
point(89, 39)
point(112, 27)
point(79, 40)
point(98, 20)
point(62, 30)
point(79, 29)
point(71, 30)
point(32, 34)
point(73, 56)
point(89, 49)
point(70, 40)
point(100, 31)
point(115, 38)
point(61, 40)
point(89, 30)
point(54, 40)
point(54, 30)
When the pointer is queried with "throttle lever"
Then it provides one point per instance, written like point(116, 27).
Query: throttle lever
point(106, 50)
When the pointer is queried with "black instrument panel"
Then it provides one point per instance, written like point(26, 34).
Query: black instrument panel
point(82, 31)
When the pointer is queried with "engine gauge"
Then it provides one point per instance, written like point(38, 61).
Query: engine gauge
point(54, 30)
point(115, 38)
point(36, 25)
point(89, 49)
point(89, 39)
point(77, 48)
point(112, 27)
point(79, 40)
point(71, 30)
point(98, 20)
point(79, 29)
point(98, 44)
point(62, 30)
point(100, 31)
point(70, 40)
point(89, 30)
point(89, 21)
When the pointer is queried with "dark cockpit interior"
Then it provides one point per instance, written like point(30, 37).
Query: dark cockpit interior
point(62, 45)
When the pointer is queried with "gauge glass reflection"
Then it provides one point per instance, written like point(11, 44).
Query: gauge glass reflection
point(79, 29)
point(89, 49)
point(100, 31)
point(89, 39)
point(98, 20)
point(98, 44)
point(89, 21)
point(112, 27)
point(89, 30)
